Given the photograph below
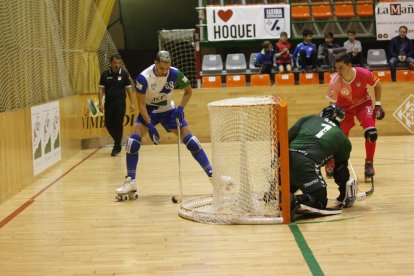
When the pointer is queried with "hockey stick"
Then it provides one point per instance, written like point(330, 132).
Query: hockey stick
point(362, 195)
point(179, 198)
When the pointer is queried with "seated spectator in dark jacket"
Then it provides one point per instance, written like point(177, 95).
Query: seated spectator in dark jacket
point(401, 50)
point(354, 48)
point(305, 53)
point(328, 50)
point(264, 59)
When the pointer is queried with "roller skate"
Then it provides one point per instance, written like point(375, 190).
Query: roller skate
point(329, 168)
point(369, 171)
point(128, 190)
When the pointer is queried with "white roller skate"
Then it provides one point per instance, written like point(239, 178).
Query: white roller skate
point(128, 190)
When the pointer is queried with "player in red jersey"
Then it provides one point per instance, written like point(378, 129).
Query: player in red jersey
point(348, 89)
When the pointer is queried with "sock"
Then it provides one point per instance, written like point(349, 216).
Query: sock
point(132, 158)
point(193, 145)
point(370, 150)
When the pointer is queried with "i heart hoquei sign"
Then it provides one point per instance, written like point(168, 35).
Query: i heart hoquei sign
point(247, 22)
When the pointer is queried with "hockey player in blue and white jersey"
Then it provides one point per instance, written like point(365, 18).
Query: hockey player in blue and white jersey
point(154, 88)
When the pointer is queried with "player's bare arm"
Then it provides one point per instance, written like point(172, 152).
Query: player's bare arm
point(131, 98)
point(188, 92)
point(101, 93)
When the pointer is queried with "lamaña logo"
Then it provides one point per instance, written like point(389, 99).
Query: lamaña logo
point(395, 9)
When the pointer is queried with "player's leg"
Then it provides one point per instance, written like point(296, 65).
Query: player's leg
point(365, 117)
point(306, 175)
point(118, 121)
point(197, 151)
point(132, 147)
point(281, 68)
point(109, 120)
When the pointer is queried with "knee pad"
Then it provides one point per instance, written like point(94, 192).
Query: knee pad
point(192, 143)
point(319, 198)
point(371, 135)
point(133, 144)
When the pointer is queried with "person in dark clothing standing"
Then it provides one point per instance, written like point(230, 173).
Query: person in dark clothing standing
point(401, 50)
point(113, 85)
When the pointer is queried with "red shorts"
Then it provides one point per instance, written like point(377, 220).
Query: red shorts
point(364, 114)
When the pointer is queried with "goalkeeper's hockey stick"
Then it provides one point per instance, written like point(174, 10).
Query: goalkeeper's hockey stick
point(362, 195)
point(179, 198)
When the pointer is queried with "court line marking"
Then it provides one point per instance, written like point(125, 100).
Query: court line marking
point(323, 221)
point(307, 254)
point(31, 200)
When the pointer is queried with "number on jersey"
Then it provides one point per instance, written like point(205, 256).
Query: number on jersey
point(324, 130)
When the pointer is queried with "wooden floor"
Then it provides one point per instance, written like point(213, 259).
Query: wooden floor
point(75, 227)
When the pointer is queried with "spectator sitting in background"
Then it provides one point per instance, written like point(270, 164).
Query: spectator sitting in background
point(354, 48)
point(283, 59)
point(401, 50)
point(305, 53)
point(327, 51)
point(264, 59)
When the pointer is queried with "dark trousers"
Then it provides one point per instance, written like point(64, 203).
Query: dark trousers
point(356, 59)
point(114, 119)
point(266, 68)
point(305, 61)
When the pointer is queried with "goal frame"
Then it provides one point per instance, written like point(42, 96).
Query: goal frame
point(279, 125)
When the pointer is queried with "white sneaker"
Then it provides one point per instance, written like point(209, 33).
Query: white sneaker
point(128, 186)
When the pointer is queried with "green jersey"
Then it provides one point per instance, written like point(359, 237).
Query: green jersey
point(320, 139)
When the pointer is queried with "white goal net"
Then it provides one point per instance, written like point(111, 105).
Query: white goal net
point(245, 157)
point(181, 45)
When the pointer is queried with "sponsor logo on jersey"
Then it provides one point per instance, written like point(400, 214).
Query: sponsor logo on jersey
point(184, 79)
point(153, 86)
point(358, 84)
point(119, 78)
point(139, 86)
point(345, 92)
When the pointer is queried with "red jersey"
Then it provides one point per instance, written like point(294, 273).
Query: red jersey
point(351, 94)
point(283, 58)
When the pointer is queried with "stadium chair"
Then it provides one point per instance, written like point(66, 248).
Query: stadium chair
point(252, 68)
point(236, 81)
point(365, 9)
point(327, 76)
point(260, 80)
point(285, 79)
point(321, 10)
point(344, 9)
point(308, 78)
point(383, 75)
point(300, 12)
point(377, 59)
point(212, 64)
point(211, 82)
point(235, 63)
point(404, 75)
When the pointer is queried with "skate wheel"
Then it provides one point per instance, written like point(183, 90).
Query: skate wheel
point(124, 197)
point(133, 196)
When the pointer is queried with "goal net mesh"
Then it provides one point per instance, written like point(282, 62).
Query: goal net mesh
point(180, 43)
point(245, 164)
point(51, 49)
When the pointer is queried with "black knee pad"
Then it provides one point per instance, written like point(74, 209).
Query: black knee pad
point(371, 135)
point(319, 198)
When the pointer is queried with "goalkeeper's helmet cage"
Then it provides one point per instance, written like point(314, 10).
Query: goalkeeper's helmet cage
point(334, 113)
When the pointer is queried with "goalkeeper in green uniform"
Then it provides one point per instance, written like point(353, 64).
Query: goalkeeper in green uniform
point(313, 141)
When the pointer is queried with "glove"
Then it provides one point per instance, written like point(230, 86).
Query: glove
point(153, 133)
point(179, 113)
point(341, 174)
point(378, 113)
point(347, 194)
